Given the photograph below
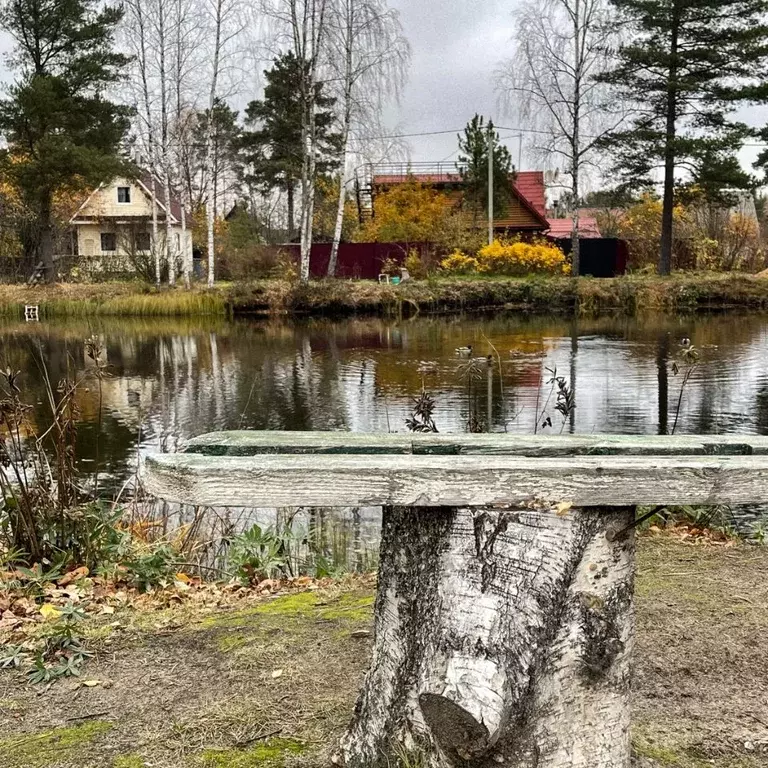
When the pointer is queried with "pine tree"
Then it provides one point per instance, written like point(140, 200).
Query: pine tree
point(473, 168)
point(60, 129)
point(689, 64)
point(226, 159)
point(272, 148)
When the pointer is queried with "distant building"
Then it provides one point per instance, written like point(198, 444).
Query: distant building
point(114, 225)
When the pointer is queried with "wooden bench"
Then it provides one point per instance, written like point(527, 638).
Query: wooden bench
point(504, 616)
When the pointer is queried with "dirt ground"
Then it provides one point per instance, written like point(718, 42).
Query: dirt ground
point(273, 684)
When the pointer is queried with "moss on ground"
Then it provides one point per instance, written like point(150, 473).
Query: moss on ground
point(48, 748)
point(270, 754)
point(346, 607)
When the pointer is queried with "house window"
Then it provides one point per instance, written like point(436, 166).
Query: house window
point(123, 194)
point(108, 241)
point(142, 242)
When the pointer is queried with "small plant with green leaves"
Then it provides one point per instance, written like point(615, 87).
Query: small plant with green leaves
point(258, 553)
point(62, 653)
point(152, 566)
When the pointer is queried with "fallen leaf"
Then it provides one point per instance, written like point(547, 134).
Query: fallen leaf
point(183, 577)
point(277, 673)
point(49, 611)
point(108, 609)
point(68, 578)
point(91, 683)
point(563, 508)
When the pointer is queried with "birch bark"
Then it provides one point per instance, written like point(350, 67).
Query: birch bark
point(503, 636)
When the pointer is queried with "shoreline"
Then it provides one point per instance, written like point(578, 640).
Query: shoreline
point(629, 295)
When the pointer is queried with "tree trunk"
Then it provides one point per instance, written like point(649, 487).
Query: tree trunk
point(155, 229)
point(576, 144)
point(47, 239)
point(333, 261)
point(170, 249)
point(290, 191)
point(667, 215)
point(503, 637)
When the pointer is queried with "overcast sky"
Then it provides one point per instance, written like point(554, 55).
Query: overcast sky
point(457, 45)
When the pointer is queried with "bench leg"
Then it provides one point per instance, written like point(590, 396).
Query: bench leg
point(502, 637)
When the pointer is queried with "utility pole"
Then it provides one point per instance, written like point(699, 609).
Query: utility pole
point(490, 182)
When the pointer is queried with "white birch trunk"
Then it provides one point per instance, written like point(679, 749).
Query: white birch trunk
point(210, 213)
point(502, 637)
point(155, 227)
point(186, 257)
point(333, 261)
point(170, 249)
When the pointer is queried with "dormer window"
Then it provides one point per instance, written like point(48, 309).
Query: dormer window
point(123, 194)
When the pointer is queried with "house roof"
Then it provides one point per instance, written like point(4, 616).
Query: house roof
point(530, 184)
point(562, 228)
point(529, 190)
point(144, 181)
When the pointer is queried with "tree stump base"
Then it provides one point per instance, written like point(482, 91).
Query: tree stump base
point(502, 637)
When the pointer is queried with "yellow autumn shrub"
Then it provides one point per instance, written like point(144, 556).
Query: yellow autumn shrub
point(459, 263)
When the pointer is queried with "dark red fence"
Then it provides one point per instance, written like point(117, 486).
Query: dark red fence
point(356, 260)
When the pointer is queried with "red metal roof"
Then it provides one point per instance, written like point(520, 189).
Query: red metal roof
point(564, 227)
point(530, 184)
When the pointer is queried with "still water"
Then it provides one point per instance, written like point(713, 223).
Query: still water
point(168, 380)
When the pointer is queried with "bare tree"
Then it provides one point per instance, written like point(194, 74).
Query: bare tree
point(369, 60)
point(560, 48)
point(137, 35)
point(302, 27)
point(163, 45)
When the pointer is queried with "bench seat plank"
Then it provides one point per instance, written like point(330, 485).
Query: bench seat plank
point(249, 443)
point(455, 481)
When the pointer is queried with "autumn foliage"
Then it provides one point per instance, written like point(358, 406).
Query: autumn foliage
point(510, 257)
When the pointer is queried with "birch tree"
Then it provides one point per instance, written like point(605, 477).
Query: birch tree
point(138, 43)
point(550, 84)
point(301, 26)
point(369, 61)
point(163, 44)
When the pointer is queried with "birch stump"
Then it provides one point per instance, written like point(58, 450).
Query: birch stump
point(502, 637)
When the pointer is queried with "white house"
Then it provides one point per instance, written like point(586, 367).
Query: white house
point(114, 225)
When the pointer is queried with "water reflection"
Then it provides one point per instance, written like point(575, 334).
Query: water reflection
point(169, 380)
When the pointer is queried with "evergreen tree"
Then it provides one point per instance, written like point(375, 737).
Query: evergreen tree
point(688, 65)
point(473, 168)
point(272, 148)
point(60, 129)
point(226, 159)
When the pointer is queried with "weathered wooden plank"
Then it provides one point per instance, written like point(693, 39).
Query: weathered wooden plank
point(428, 481)
point(250, 443)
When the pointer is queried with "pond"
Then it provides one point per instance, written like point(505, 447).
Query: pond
point(168, 380)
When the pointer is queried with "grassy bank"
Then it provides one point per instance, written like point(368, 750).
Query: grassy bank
point(209, 681)
point(126, 299)
point(681, 293)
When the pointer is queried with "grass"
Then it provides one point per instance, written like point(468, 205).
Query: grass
point(113, 298)
point(683, 292)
